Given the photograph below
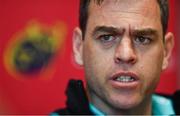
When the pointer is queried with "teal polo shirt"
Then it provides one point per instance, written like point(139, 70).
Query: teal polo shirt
point(160, 106)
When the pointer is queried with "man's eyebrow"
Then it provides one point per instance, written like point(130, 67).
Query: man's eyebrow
point(146, 31)
point(107, 29)
point(114, 30)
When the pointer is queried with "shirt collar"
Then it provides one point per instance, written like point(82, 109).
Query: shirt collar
point(160, 106)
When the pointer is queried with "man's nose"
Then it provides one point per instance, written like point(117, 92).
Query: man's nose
point(125, 52)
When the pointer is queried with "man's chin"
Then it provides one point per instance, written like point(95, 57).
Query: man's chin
point(125, 103)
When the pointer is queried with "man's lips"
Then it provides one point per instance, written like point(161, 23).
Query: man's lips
point(126, 74)
point(124, 80)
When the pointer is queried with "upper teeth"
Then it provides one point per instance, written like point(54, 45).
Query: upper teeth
point(125, 79)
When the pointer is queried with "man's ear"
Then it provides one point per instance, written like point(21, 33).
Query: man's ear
point(168, 46)
point(78, 46)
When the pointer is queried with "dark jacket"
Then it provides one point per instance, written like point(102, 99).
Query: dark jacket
point(77, 102)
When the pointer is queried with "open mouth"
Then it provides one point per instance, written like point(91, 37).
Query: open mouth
point(125, 79)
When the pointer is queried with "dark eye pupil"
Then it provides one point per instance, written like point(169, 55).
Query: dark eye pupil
point(107, 37)
point(141, 39)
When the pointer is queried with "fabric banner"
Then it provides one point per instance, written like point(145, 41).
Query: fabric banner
point(36, 59)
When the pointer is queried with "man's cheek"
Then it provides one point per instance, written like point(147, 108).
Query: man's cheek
point(150, 81)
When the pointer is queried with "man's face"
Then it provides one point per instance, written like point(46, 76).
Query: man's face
point(123, 52)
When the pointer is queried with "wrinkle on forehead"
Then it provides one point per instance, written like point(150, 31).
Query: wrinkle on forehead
point(142, 7)
point(122, 13)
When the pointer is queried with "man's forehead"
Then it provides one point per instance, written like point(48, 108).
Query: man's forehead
point(136, 14)
point(99, 2)
point(145, 8)
point(123, 4)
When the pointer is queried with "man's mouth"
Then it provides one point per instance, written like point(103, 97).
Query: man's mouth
point(124, 79)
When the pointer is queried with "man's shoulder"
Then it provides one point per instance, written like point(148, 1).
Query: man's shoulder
point(167, 103)
point(63, 111)
point(77, 101)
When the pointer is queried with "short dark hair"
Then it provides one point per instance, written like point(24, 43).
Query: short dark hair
point(84, 5)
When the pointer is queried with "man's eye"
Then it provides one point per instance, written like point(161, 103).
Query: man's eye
point(107, 38)
point(142, 40)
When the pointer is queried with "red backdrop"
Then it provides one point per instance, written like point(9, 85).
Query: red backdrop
point(43, 92)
